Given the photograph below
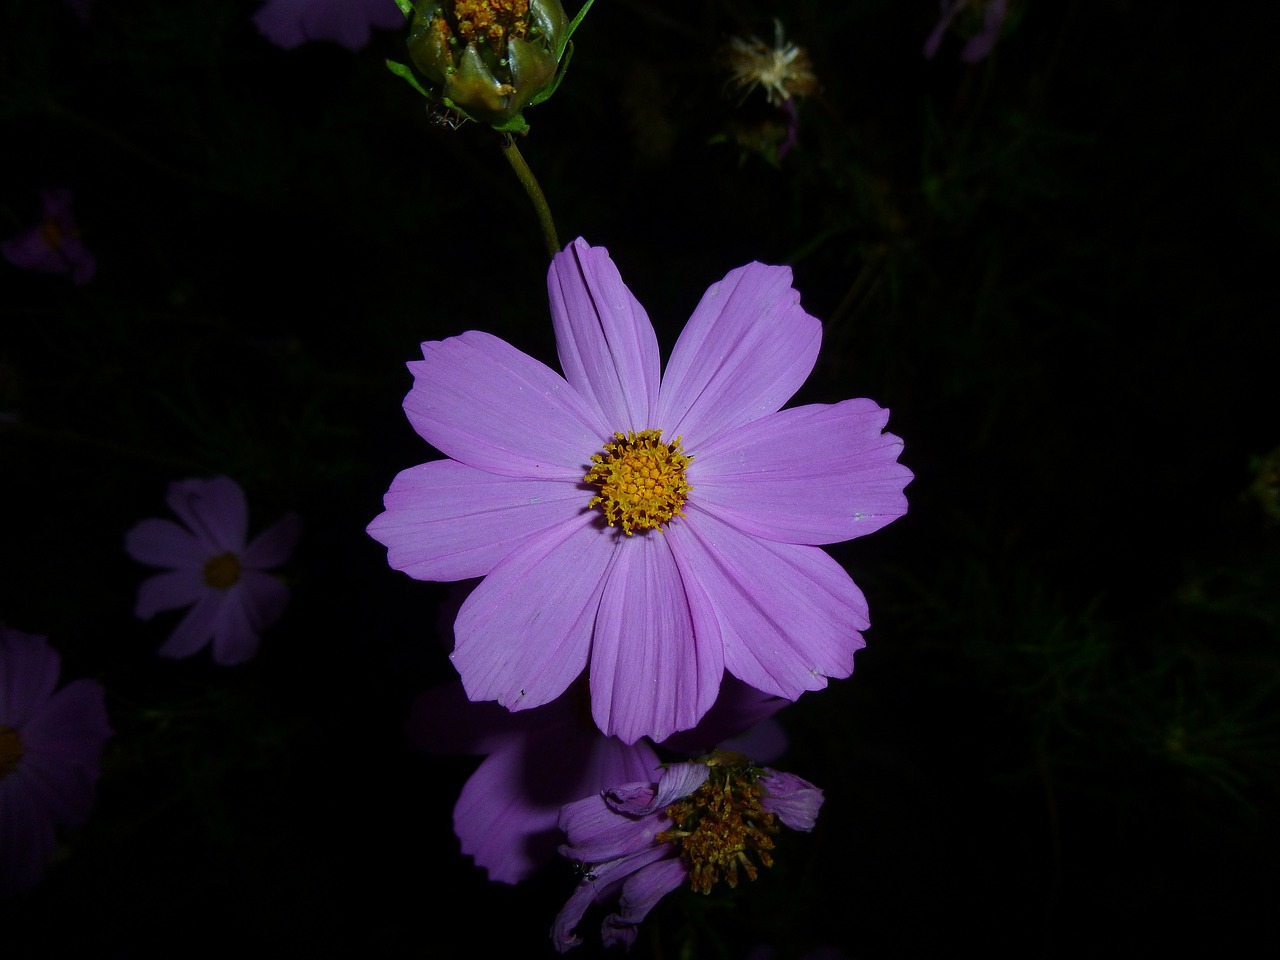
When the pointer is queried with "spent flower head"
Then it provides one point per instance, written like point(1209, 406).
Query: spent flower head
point(782, 70)
point(488, 60)
point(654, 529)
point(704, 822)
point(214, 568)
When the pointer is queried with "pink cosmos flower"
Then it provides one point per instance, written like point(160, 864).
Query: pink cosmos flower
point(53, 245)
point(704, 821)
point(538, 760)
point(288, 23)
point(983, 41)
point(50, 753)
point(211, 569)
point(658, 529)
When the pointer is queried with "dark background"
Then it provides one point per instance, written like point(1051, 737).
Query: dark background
point(1055, 267)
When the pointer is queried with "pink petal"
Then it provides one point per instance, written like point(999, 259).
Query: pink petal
point(163, 543)
point(814, 474)
point(168, 591)
point(273, 546)
point(196, 628)
point(744, 353)
point(26, 837)
point(656, 658)
point(479, 400)
point(235, 635)
point(606, 344)
point(447, 521)
point(214, 510)
point(71, 729)
point(28, 674)
point(525, 632)
point(789, 614)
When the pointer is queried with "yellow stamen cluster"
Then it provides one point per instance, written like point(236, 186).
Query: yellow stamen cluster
point(10, 750)
point(491, 21)
point(222, 571)
point(721, 823)
point(641, 479)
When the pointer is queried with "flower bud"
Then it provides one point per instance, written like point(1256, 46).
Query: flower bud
point(489, 59)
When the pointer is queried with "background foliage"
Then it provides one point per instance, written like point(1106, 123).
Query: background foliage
point(1055, 267)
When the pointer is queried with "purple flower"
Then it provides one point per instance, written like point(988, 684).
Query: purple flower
point(982, 41)
point(50, 752)
point(232, 596)
point(288, 23)
point(660, 530)
point(53, 245)
point(538, 760)
point(703, 821)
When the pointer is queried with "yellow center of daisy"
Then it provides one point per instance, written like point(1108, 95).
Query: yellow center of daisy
point(641, 479)
point(222, 571)
point(51, 234)
point(10, 751)
point(719, 825)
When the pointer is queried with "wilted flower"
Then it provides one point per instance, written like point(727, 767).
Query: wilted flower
point(489, 59)
point(288, 23)
point(210, 566)
point(986, 17)
point(50, 752)
point(703, 822)
point(783, 70)
point(661, 531)
point(54, 244)
point(538, 760)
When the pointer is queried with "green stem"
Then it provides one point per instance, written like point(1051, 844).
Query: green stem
point(530, 184)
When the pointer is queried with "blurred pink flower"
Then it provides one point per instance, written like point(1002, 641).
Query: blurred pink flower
point(210, 568)
point(50, 753)
point(981, 42)
point(288, 23)
point(53, 245)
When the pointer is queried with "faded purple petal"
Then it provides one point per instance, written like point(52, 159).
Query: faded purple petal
point(53, 245)
point(26, 838)
point(480, 401)
point(737, 708)
point(984, 41)
point(934, 40)
point(168, 591)
point(790, 615)
point(195, 629)
point(273, 546)
point(640, 893)
point(606, 344)
point(602, 883)
point(447, 521)
point(792, 800)
point(28, 674)
point(163, 543)
point(678, 780)
point(525, 632)
point(656, 659)
point(248, 608)
point(215, 510)
point(815, 474)
point(70, 731)
point(744, 353)
point(288, 23)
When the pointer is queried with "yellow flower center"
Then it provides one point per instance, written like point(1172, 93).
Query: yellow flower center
point(491, 21)
point(222, 571)
point(51, 234)
point(641, 479)
point(721, 823)
point(10, 751)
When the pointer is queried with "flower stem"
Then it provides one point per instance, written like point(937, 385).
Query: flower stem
point(530, 184)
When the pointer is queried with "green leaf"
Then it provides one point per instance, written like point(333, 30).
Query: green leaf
point(573, 25)
point(404, 73)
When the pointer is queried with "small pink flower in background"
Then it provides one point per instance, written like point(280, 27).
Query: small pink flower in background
point(983, 40)
point(213, 569)
point(50, 753)
point(53, 245)
point(289, 23)
point(702, 822)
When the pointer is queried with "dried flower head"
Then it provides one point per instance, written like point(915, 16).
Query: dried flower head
point(783, 70)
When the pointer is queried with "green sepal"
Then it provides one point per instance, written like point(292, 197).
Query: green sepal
point(573, 25)
point(404, 72)
point(406, 7)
